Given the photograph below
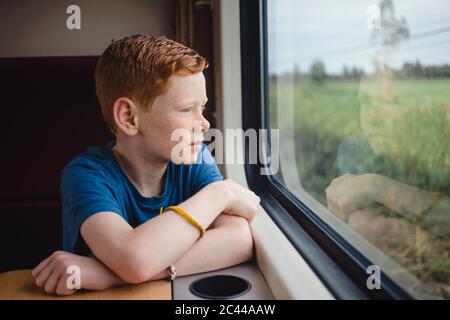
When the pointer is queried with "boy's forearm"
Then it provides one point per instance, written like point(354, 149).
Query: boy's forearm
point(402, 198)
point(219, 248)
point(410, 201)
point(165, 238)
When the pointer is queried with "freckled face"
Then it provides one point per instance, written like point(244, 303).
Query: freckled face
point(179, 109)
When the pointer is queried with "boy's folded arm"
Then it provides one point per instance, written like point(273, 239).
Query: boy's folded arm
point(139, 254)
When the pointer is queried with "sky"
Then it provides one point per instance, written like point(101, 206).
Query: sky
point(336, 32)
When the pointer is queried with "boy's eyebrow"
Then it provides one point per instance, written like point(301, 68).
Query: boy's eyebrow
point(188, 102)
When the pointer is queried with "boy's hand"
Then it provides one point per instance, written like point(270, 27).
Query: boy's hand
point(349, 193)
point(242, 201)
point(52, 273)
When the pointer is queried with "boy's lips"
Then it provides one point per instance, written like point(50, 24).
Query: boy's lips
point(196, 145)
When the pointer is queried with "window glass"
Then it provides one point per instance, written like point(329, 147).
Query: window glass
point(360, 93)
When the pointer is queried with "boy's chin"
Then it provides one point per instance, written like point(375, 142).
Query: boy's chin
point(186, 159)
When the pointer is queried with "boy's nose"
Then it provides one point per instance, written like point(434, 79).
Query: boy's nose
point(206, 124)
point(201, 125)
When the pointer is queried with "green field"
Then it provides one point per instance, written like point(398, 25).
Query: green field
point(415, 123)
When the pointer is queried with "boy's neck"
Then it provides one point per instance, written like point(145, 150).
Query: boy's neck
point(146, 176)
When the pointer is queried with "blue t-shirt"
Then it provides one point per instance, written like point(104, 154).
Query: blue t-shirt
point(94, 182)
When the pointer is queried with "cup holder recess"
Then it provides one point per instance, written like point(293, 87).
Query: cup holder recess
point(220, 287)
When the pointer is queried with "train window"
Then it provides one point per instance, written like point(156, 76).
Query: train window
point(360, 93)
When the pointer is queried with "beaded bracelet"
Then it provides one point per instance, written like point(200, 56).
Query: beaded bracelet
point(172, 272)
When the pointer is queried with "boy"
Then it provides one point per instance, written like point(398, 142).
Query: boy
point(148, 88)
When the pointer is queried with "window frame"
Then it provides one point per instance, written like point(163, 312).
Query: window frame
point(336, 262)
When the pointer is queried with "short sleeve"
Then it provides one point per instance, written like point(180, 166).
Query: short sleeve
point(86, 189)
point(204, 171)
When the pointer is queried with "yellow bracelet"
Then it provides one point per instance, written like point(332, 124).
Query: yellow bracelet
point(187, 216)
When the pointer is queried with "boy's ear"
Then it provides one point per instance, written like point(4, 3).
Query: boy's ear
point(126, 116)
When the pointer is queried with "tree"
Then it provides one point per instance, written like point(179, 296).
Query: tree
point(317, 71)
point(391, 33)
point(418, 70)
point(357, 73)
point(345, 73)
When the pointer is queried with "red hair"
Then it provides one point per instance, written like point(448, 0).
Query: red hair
point(138, 67)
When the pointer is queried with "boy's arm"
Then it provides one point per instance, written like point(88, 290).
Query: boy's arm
point(137, 255)
point(228, 242)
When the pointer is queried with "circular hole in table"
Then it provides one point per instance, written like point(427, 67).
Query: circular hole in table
point(220, 287)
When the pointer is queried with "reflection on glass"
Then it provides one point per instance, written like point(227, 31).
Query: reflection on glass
point(366, 107)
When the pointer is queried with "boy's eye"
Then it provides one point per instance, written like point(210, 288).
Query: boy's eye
point(203, 108)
